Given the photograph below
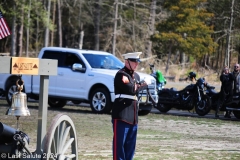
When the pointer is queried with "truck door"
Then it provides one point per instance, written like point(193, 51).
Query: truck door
point(70, 83)
point(48, 54)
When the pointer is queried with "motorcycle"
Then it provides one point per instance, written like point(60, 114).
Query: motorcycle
point(233, 105)
point(192, 96)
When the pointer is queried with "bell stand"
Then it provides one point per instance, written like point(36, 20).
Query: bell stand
point(46, 68)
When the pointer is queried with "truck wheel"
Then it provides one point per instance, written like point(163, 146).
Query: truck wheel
point(56, 103)
point(10, 90)
point(76, 102)
point(144, 112)
point(100, 101)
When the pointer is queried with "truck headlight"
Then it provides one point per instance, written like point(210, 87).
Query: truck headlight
point(153, 82)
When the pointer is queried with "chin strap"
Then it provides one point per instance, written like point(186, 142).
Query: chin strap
point(130, 66)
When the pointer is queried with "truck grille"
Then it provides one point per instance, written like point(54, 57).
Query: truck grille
point(143, 94)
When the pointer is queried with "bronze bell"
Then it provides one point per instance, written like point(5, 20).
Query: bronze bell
point(19, 103)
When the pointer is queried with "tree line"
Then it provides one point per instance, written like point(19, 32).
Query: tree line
point(181, 31)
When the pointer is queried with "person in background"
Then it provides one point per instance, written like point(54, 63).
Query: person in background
point(160, 79)
point(125, 108)
point(226, 91)
point(152, 69)
point(236, 86)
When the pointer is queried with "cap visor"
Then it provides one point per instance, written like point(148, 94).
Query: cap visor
point(134, 59)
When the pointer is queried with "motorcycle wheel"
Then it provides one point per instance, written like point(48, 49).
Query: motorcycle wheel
point(237, 114)
point(163, 107)
point(203, 107)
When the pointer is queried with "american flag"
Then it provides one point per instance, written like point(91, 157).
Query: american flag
point(4, 29)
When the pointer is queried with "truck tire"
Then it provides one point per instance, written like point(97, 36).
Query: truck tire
point(76, 102)
point(144, 112)
point(56, 103)
point(100, 101)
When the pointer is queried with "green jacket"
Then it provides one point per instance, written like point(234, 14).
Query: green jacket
point(160, 77)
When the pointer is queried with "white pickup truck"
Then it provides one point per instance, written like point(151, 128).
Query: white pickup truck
point(83, 76)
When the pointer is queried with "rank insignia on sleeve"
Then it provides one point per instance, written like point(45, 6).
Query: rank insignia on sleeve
point(125, 79)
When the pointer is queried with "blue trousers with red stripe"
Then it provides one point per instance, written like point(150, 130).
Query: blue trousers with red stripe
point(124, 140)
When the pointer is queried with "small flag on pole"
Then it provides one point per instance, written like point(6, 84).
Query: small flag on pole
point(4, 29)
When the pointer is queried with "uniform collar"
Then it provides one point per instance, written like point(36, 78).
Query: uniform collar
point(128, 70)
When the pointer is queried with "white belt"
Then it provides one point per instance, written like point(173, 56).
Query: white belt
point(126, 96)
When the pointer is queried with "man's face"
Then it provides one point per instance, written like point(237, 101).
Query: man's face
point(131, 65)
point(236, 67)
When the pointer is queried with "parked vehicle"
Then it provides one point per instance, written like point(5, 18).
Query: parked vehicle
point(83, 76)
point(233, 106)
point(192, 96)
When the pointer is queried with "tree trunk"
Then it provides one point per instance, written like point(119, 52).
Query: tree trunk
point(48, 8)
point(13, 40)
point(81, 35)
point(97, 10)
point(37, 31)
point(169, 57)
point(53, 19)
point(27, 40)
point(59, 23)
point(228, 41)
point(115, 28)
point(20, 33)
point(151, 28)
point(133, 26)
point(218, 56)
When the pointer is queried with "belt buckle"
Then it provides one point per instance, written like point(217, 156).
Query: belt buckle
point(135, 97)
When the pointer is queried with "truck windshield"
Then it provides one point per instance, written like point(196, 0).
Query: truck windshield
point(103, 61)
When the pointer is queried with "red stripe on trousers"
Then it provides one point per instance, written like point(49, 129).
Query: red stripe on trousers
point(115, 140)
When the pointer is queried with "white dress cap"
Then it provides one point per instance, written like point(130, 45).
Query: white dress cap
point(133, 55)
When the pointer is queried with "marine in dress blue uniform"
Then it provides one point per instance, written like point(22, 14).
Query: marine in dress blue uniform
point(125, 109)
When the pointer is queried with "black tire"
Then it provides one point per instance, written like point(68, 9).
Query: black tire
point(144, 112)
point(163, 108)
point(237, 114)
point(100, 101)
point(56, 103)
point(10, 90)
point(76, 102)
point(204, 106)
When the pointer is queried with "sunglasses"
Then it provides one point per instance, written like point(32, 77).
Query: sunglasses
point(236, 66)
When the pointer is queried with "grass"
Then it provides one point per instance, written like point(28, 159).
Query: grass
point(160, 137)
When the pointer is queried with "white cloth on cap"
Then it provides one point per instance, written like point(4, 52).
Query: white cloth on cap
point(133, 55)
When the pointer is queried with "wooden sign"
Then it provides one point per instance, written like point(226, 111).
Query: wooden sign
point(22, 65)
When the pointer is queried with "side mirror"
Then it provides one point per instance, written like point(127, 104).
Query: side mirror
point(78, 67)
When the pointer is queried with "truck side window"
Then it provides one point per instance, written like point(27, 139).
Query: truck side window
point(54, 55)
point(70, 59)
